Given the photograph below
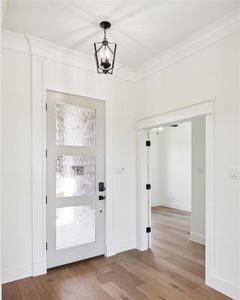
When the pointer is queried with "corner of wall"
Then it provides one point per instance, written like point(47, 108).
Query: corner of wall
point(12, 274)
point(123, 246)
point(197, 238)
point(223, 286)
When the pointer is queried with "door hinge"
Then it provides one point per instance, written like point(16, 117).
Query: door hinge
point(46, 106)
point(46, 152)
point(148, 143)
point(148, 186)
point(148, 229)
point(46, 199)
point(46, 246)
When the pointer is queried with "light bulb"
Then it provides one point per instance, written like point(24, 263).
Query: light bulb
point(157, 129)
point(105, 57)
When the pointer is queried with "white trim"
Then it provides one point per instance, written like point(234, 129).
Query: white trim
point(108, 175)
point(217, 31)
point(173, 205)
point(156, 204)
point(186, 113)
point(38, 65)
point(142, 194)
point(121, 247)
point(179, 115)
point(223, 286)
point(197, 238)
point(14, 42)
point(13, 274)
point(210, 198)
point(39, 266)
point(19, 43)
point(213, 33)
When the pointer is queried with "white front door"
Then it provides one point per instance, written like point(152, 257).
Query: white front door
point(75, 177)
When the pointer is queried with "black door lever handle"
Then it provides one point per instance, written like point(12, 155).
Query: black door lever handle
point(101, 197)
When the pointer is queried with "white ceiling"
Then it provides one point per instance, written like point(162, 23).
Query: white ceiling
point(142, 29)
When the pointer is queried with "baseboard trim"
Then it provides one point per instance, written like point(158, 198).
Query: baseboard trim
point(175, 206)
point(197, 238)
point(39, 267)
point(13, 274)
point(224, 287)
point(156, 204)
point(115, 248)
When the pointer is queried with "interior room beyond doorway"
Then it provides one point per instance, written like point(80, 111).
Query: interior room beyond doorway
point(177, 172)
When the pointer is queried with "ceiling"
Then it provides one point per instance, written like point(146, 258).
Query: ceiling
point(142, 29)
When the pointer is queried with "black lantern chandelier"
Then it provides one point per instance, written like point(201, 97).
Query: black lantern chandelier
point(105, 52)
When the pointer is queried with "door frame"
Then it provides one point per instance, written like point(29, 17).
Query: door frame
point(40, 70)
point(39, 241)
point(188, 113)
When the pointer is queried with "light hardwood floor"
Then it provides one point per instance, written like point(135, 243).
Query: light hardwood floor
point(172, 270)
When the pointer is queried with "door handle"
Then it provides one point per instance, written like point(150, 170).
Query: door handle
point(101, 197)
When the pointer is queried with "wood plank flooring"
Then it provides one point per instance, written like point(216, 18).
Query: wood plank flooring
point(172, 270)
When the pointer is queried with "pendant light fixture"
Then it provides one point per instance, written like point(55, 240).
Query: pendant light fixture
point(105, 52)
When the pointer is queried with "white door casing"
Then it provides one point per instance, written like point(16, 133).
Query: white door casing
point(144, 196)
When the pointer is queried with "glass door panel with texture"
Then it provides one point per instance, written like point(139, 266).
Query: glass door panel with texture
point(75, 166)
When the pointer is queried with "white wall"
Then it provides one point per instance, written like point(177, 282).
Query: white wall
point(4, 5)
point(16, 163)
point(197, 233)
point(17, 241)
point(209, 73)
point(170, 167)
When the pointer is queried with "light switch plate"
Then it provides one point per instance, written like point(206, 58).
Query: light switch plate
point(120, 171)
point(234, 173)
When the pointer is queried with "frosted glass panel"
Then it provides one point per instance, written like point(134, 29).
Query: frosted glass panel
point(75, 126)
point(75, 175)
point(75, 226)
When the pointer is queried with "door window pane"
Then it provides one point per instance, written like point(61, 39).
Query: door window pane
point(75, 175)
point(75, 226)
point(75, 125)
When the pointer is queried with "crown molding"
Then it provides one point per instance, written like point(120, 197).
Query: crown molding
point(213, 33)
point(27, 44)
point(15, 42)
